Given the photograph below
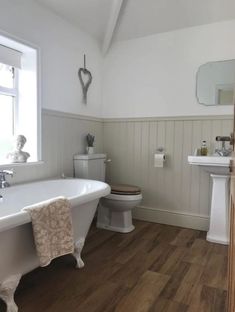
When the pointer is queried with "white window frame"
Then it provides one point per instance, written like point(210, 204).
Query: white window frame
point(14, 92)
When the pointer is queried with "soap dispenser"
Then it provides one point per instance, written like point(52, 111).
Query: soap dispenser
point(204, 150)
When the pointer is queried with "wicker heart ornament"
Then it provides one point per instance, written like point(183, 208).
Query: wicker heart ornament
point(85, 78)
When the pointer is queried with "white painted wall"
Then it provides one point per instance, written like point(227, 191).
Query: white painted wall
point(150, 76)
point(62, 48)
point(156, 75)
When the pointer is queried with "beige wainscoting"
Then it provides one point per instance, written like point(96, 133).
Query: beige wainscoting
point(63, 135)
point(177, 194)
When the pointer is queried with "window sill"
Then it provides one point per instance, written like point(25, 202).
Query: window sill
point(27, 164)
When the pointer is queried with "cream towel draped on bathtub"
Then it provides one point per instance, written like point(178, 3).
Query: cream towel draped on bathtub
point(52, 228)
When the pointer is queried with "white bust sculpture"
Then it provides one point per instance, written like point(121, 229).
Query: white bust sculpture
point(18, 156)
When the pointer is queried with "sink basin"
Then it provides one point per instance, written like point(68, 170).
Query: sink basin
point(212, 164)
point(218, 167)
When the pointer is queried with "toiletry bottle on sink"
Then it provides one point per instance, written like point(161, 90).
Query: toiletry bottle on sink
point(204, 149)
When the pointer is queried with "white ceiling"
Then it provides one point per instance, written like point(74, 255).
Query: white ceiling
point(141, 17)
point(90, 15)
point(145, 17)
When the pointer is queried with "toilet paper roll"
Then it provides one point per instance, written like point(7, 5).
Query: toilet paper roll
point(159, 160)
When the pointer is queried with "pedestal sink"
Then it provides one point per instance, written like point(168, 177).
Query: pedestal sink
point(218, 167)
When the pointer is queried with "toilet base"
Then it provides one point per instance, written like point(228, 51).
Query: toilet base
point(114, 228)
point(112, 220)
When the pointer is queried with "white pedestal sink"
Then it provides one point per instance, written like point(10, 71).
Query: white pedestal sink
point(218, 167)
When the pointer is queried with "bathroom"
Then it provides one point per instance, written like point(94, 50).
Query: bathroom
point(144, 58)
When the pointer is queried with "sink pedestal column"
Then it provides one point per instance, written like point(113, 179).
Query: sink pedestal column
point(219, 218)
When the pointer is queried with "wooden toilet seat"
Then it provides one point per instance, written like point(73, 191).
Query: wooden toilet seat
point(125, 189)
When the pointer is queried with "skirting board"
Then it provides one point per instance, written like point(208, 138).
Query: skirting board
point(171, 218)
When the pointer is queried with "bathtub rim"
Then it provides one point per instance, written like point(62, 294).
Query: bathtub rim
point(23, 217)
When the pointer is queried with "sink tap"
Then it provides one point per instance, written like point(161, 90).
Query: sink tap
point(224, 151)
point(3, 182)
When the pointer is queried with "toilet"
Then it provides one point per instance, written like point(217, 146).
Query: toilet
point(114, 210)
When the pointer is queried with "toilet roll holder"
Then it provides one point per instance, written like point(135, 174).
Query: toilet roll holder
point(160, 150)
point(159, 157)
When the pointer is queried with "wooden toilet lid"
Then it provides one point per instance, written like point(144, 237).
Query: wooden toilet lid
point(125, 189)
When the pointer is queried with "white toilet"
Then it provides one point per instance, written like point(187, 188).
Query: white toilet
point(114, 210)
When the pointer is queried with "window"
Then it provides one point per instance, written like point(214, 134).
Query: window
point(19, 109)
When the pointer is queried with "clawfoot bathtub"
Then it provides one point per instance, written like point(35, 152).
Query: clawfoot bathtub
point(17, 250)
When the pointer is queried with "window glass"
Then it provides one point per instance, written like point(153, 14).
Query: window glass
point(6, 76)
point(6, 125)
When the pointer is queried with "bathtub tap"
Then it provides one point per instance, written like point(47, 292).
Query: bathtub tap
point(3, 182)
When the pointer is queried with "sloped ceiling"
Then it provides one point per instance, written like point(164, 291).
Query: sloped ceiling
point(145, 17)
point(138, 18)
point(90, 15)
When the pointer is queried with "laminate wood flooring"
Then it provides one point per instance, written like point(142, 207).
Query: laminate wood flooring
point(155, 268)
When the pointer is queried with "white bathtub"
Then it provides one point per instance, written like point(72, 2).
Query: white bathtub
point(17, 251)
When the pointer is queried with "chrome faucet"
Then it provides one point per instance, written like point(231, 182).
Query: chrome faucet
point(3, 182)
point(224, 151)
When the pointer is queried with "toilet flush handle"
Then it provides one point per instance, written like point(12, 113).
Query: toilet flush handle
point(107, 161)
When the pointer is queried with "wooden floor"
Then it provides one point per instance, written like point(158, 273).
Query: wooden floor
point(156, 268)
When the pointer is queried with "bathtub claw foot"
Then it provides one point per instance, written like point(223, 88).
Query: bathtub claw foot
point(7, 291)
point(77, 252)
